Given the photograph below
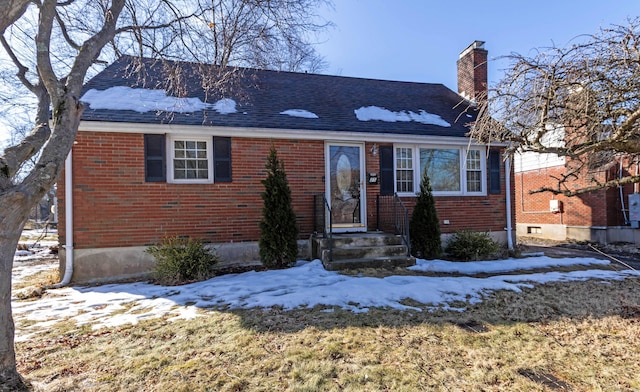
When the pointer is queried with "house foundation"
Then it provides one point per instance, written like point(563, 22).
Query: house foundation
point(597, 234)
point(101, 265)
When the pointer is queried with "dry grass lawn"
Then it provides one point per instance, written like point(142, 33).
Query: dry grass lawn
point(560, 336)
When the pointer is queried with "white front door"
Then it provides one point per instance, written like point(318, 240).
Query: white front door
point(346, 186)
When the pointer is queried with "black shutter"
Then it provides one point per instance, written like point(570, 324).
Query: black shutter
point(154, 156)
point(222, 159)
point(386, 170)
point(494, 171)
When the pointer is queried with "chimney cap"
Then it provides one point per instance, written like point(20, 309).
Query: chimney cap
point(474, 45)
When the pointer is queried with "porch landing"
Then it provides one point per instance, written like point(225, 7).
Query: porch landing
point(361, 250)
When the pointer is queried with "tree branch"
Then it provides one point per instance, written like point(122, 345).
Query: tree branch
point(12, 10)
point(608, 184)
point(65, 33)
point(15, 156)
point(22, 70)
point(43, 41)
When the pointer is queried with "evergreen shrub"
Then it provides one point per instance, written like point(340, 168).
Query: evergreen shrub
point(467, 245)
point(278, 231)
point(182, 260)
point(424, 225)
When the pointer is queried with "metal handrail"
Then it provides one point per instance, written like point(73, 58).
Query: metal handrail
point(328, 234)
point(320, 220)
point(393, 215)
point(402, 221)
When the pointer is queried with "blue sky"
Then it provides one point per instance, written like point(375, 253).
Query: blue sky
point(420, 40)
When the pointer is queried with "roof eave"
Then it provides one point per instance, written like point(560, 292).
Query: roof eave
point(271, 133)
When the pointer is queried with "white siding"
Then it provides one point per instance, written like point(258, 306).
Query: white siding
point(525, 161)
point(534, 161)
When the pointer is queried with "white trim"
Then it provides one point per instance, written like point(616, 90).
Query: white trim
point(273, 133)
point(483, 171)
point(171, 155)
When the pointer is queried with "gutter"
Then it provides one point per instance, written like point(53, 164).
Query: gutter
point(68, 220)
point(509, 228)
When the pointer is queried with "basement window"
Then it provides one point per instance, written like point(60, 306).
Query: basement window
point(534, 230)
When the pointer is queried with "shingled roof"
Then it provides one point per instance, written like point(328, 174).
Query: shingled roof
point(265, 95)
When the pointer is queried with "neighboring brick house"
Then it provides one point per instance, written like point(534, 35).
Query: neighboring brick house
point(603, 216)
point(138, 174)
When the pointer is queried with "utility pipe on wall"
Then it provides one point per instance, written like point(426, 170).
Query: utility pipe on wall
point(507, 183)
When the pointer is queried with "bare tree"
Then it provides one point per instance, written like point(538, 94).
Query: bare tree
point(55, 45)
point(267, 34)
point(581, 103)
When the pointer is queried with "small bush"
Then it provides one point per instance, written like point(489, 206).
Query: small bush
point(469, 245)
point(182, 260)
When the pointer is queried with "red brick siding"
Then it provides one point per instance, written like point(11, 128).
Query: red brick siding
point(479, 213)
point(598, 208)
point(115, 207)
point(472, 74)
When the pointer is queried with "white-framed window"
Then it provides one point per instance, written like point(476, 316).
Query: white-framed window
point(474, 171)
point(190, 160)
point(452, 170)
point(404, 170)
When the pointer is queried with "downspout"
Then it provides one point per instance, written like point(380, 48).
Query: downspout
point(68, 221)
point(635, 186)
point(507, 183)
point(621, 190)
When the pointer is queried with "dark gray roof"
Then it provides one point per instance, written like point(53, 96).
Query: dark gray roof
point(262, 95)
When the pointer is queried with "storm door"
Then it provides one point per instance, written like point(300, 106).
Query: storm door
point(345, 186)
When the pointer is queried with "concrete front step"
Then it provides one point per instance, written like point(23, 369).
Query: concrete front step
point(360, 240)
point(372, 262)
point(363, 252)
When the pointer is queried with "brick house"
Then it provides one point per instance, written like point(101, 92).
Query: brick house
point(603, 216)
point(139, 172)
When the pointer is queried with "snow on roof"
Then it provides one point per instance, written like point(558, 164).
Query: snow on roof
point(146, 100)
point(369, 113)
point(299, 113)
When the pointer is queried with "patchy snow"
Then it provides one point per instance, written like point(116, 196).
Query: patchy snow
point(147, 100)
point(37, 257)
point(225, 106)
point(499, 266)
point(22, 270)
point(369, 113)
point(305, 285)
point(299, 113)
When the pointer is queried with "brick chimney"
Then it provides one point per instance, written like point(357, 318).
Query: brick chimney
point(472, 72)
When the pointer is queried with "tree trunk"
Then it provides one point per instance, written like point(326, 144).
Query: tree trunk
point(12, 221)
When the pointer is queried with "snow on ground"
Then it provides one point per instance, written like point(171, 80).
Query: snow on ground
point(31, 261)
point(305, 285)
